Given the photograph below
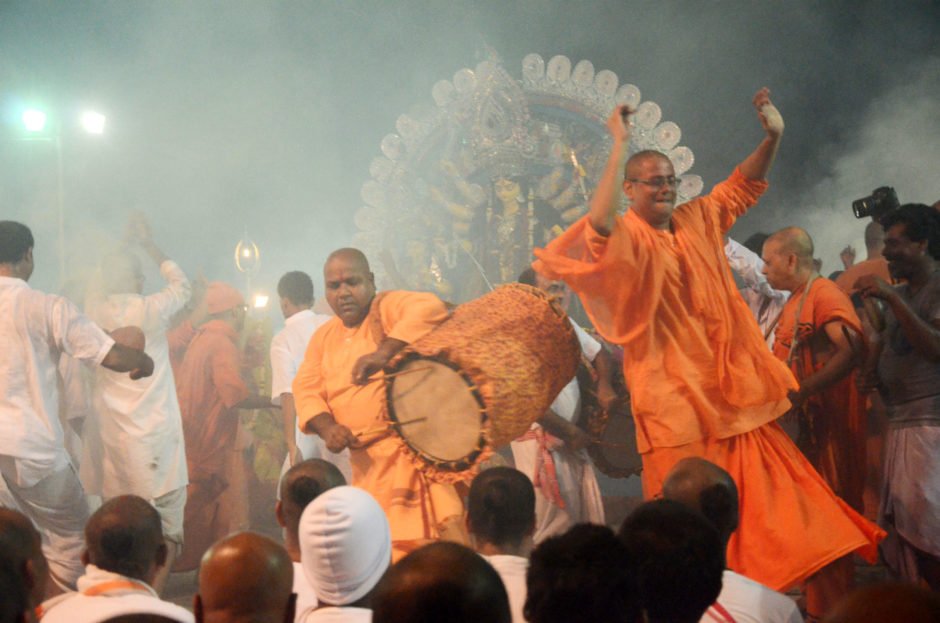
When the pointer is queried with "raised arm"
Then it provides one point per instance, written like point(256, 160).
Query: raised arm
point(757, 165)
point(607, 196)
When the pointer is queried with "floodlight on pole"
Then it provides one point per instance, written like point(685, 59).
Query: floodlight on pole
point(93, 122)
point(34, 120)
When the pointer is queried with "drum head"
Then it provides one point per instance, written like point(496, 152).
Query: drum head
point(440, 415)
point(616, 453)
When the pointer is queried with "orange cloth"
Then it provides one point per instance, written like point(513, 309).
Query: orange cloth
point(416, 507)
point(702, 380)
point(878, 267)
point(839, 411)
point(209, 385)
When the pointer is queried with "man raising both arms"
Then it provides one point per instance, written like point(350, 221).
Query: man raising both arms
point(702, 380)
point(338, 398)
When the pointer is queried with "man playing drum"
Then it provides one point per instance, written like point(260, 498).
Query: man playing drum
point(338, 398)
point(702, 380)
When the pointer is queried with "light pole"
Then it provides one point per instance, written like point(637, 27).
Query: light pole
point(34, 121)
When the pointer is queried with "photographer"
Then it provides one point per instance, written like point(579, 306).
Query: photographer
point(904, 364)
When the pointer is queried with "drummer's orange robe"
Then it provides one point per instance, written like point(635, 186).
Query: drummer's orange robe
point(839, 411)
point(702, 380)
point(416, 507)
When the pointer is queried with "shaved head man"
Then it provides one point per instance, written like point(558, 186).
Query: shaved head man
point(788, 258)
point(703, 486)
point(350, 285)
point(245, 577)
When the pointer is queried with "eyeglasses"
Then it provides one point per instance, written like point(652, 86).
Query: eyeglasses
point(657, 182)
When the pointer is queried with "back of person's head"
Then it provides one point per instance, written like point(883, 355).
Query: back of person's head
point(297, 287)
point(584, 575)
point(920, 223)
point(302, 484)
point(755, 242)
point(345, 545)
point(892, 602)
point(125, 536)
point(245, 577)
point(140, 617)
point(441, 583)
point(679, 557)
point(14, 595)
point(527, 277)
point(501, 507)
point(21, 549)
point(707, 488)
point(15, 240)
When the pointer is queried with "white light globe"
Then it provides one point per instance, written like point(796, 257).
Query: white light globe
point(93, 122)
point(34, 120)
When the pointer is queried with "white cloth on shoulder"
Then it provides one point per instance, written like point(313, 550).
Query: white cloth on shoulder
point(512, 570)
point(751, 602)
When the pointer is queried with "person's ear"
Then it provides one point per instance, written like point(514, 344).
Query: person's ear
point(161, 554)
point(197, 609)
point(279, 513)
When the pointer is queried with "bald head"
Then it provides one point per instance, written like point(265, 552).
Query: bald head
point(788, 258)
point(794, 240)
point(441, 581)
point(350, 285)
point(703, 486)
point(302, 484)
point(21, 551)
point(125, 536)
point(632, 168)
point(874, 239)
point(245, 577)
point(351, 256)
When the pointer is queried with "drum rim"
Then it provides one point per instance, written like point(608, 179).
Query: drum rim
point(458, 465)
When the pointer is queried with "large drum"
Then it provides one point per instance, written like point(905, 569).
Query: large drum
point(480, 379)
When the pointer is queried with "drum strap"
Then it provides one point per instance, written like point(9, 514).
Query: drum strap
point(545, 476)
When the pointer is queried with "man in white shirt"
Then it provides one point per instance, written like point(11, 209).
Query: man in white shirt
point(125, 551)
point(288, 347)
point(705, 487)
point(133, 439)
point(35, 329)
point(552, 453)
point(501, 522)
point(765, 302)
point(299, 486)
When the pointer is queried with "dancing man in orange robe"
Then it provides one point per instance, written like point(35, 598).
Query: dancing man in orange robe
point(340, 397)
point(702, 380)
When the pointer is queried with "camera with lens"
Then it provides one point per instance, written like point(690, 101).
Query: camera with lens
point(880, 202)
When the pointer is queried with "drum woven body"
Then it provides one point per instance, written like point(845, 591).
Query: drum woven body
point(481, 378)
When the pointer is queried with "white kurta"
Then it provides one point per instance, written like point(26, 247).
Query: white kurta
point(134, 439)
point(306, 596)
point(512, 570)
point(751, 602)
point(574, 470)
point(764, 302)
point(287, 353)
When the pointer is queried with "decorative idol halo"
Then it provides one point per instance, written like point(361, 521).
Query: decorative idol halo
point(435, 206)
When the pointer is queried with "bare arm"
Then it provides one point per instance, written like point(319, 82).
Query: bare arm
point(923, 336)
point(289, 422)
point(574, 437)
point(367, 365)
point(603, 364)
point(757, 165)
point(336, 436)
point(124, 359)
point(834, 370)
point(607, 195)
point(255, 402)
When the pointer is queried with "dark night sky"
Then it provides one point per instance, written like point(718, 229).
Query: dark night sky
point(231, 115)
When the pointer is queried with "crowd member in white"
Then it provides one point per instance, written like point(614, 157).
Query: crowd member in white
point(133, 439)
point(345, 549)
point(295, 290)
point(764, 302)
point(35, 329)
point(125, 550)
point(705, 487)
point(552, 453)
point(298, 487)
point(245, 577)
point(501, 522)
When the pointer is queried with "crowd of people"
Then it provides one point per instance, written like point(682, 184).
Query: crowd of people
point(759, 390)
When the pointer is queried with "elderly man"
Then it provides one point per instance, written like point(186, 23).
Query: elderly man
point(710, 490)
point(702, 380)
point(126, 549)
point(211, 392)
point(35, 330)
point(300, 486)
point(295, 290)
point(134, 435)
point(245, 577)
point(339, 398)
point(905, 366)
point(345, 548)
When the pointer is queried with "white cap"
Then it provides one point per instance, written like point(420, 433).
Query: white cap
point(345, 544)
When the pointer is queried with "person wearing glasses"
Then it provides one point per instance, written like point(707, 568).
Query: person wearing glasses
point(702, 380)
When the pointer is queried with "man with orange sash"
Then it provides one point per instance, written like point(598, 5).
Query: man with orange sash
point(340, 395)
point(702, 380)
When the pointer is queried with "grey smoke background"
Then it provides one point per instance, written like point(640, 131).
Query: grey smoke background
point(233, 116)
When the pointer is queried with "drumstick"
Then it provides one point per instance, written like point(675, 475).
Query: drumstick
point(399, 373)
point(388, 425)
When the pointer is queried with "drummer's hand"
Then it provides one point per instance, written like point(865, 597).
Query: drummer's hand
point(366, 366)
point(606, 396)
point(337, 438)
point(576, 439)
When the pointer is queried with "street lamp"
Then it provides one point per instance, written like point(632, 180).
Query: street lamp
point(34, 121)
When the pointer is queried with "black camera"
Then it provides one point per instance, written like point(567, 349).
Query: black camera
point(880, 202)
